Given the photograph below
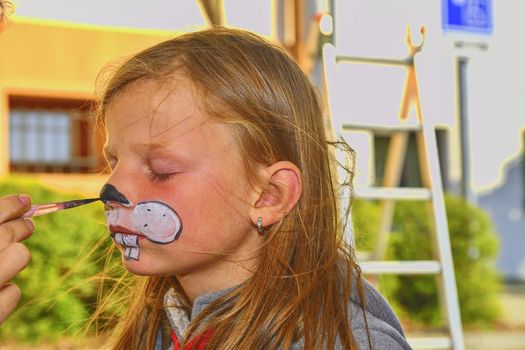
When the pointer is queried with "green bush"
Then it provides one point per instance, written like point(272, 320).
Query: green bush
point(59, 288)
point(474, 248)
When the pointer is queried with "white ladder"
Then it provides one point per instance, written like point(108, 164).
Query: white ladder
point(431, 192)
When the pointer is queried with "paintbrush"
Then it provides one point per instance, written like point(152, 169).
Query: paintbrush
point(43, 209)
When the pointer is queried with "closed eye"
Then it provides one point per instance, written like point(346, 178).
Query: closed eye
point(159, 178)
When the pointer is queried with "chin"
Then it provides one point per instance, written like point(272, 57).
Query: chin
point(137, 267)
point(141, 267)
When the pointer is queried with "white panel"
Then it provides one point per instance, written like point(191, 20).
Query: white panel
point(368, 94)
point(377, 28)
point(158, 14)
point(252, 15)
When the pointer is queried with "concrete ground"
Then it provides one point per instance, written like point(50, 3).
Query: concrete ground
point(512, 334)
point(509, 334)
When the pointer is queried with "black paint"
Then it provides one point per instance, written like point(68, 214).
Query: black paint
point(77, 202)
point(110, 194)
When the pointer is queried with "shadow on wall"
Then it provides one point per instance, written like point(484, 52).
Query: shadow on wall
point(506, 206)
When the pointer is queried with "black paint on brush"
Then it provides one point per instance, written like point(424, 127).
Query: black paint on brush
point(77, 202)
point(110, 194)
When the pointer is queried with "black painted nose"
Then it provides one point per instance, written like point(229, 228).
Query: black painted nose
point(110, 194)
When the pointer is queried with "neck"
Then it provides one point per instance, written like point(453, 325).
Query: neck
point(216, 278)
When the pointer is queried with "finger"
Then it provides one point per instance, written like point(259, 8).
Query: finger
point(13, 206)
point(15, 231)
point(9, 297)
point(13, 259)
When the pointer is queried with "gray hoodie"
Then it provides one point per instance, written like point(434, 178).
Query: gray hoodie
point(384, 327)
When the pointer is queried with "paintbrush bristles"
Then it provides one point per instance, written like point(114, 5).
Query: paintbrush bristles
point(77, 202)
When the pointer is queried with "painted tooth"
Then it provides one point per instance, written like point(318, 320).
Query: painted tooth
point(135, 253)
point(130, 240)
point(119, 239)
point(127, 252)
point(131, 253)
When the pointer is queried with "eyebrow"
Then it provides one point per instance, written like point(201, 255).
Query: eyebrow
point(139, 148)
point(147, 147)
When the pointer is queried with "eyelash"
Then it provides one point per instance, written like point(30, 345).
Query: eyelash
point(153, 176)
point(159, 178)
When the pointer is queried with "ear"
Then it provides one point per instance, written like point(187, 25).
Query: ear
point(279, 194)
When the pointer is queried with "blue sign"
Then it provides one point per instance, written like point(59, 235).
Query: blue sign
point(471, 16)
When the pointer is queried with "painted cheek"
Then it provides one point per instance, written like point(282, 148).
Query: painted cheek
point(157, 221)
point(112, 215)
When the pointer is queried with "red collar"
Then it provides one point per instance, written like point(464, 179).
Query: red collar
point(197, 343)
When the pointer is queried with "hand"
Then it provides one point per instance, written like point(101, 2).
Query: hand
point(14, 256)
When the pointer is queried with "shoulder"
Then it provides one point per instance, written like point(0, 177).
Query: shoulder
point(379, 340)
point(376, 322)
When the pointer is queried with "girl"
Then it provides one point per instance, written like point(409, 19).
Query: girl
point(222, 193)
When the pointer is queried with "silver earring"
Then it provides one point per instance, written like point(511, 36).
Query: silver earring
point(259, 225)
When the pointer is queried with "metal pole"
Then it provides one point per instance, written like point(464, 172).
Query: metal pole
point(466, 192)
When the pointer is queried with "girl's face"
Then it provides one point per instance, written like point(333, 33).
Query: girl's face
point(163, 149)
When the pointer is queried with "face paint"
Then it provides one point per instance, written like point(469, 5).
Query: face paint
point(110, 194)
point(154, 220)
point(157, 221)
point(130, 243)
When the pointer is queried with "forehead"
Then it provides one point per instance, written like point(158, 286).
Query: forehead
point(157, 107)
point(164, 116)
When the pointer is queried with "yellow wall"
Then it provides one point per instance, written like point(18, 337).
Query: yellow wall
point(52, 59)
point(43, 57)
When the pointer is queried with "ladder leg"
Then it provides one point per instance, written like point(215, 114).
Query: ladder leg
point(427, 182)
point(393, 169)
point(431, 177)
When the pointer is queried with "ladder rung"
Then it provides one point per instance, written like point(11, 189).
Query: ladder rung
point(381, 128)
point(375, 60)
point(416, 267)
point(404, 193)
point(427, 343)
point(366, 255)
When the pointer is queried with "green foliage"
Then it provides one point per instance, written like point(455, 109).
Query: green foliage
point(58, 287)
point(474, 248)
point(366, 219)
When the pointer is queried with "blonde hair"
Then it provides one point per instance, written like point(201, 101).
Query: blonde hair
point(302, 287)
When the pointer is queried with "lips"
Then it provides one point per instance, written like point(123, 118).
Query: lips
point(124, 236)
point(120, 229)
point(127, 239)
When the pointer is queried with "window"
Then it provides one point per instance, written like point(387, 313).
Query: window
point(52, 135)
point(444, 157)
point(411, 175)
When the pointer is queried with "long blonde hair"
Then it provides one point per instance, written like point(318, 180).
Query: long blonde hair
point(302, 288)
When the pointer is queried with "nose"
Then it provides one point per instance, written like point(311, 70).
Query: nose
point(109, 193)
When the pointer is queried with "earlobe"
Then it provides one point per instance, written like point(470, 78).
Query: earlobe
point(279, 195)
